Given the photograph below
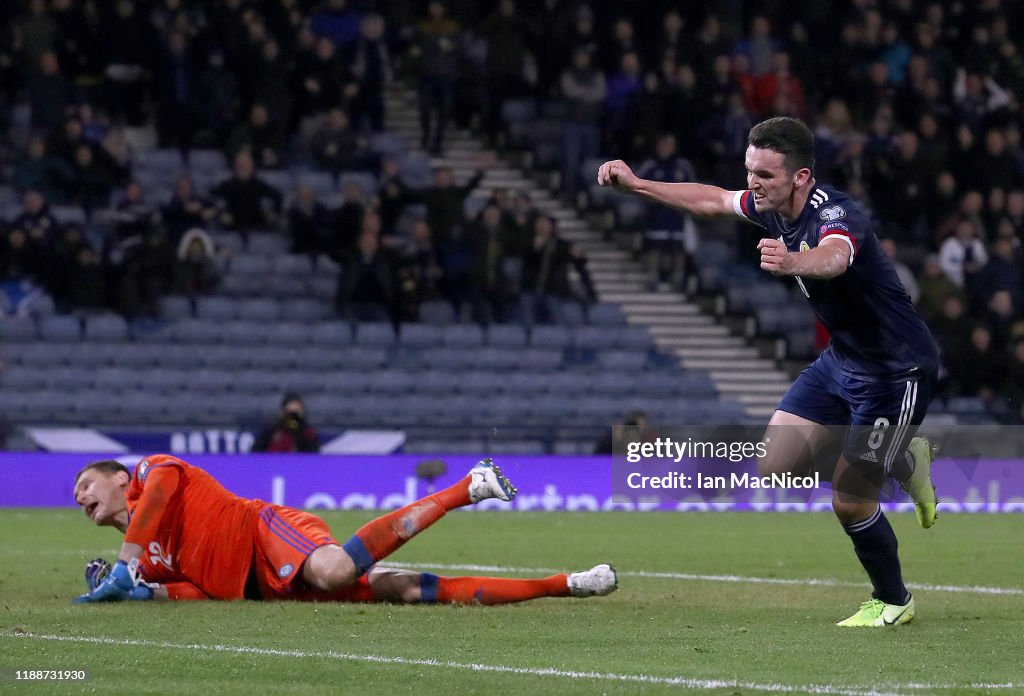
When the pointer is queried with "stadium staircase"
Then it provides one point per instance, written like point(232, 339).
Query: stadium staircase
point(678, 325)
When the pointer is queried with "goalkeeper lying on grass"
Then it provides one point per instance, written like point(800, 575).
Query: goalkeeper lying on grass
point(187, 537)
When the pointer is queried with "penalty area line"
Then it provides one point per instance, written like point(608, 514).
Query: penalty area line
point(685, 682)
point(697, 577)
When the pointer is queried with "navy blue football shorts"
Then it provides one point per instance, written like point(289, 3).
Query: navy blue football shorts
point(879, 417)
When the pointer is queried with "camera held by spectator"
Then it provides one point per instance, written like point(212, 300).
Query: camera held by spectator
point(291, 432)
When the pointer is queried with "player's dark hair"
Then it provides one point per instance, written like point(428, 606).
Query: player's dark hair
point(107, 466)
point(790, 137)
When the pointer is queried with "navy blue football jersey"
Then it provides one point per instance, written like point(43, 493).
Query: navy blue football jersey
point(875, 330)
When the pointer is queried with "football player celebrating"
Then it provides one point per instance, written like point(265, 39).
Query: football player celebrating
point(874, 380)
point(187, 537)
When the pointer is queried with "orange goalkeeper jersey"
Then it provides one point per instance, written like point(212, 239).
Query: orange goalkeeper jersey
point(190, 527)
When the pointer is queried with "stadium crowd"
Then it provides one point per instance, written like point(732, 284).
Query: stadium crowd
point(916, 108)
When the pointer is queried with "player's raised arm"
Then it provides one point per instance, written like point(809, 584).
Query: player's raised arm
point(697, 199)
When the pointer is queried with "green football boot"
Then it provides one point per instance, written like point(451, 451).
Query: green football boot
point(875, 613)
point(919, 487)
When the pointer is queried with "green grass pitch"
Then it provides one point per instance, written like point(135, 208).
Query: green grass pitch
point(670, 629)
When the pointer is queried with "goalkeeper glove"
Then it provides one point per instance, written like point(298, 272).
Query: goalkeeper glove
point(96, 570)
point(117, 584)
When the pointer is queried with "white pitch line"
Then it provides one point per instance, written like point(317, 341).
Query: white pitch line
point(687, 682)
point(667, 575)
point(750, 579)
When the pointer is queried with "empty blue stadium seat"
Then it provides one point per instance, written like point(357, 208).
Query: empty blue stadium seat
point(196, 331)
point(107, 328)
point(217, 308)
point(605, 313)
point(594, 337)
point(174, 307)
point(117, 378)
point(420, 335)
point(292, 333)
point(70, 378)
point(60, 328)
point(17, 329)
point(539, 359)
point(437, 312)
point(232, 242)
point(322, 287)
point(241, 285)
point(506, 335)
point(375, 334)
point(292, 264)
point(261, 309)
point(207, 160)
point(622, 360)
point(332, 333)
point(21, 378)
point(252, 265)
point(633, 337)
point(267, 243)
point(465, 335)
point(243, 333)
point(550, 336)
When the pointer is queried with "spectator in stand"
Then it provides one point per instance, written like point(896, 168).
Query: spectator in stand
point(898, 190)
point(761, 47)
point(372, 67)
point(196, 270)
point(186, 209)
point(25, 261)
point(546, 273)
point(976, 97)
point(250, 203)
point(260, 135)
point(935, 288)
point(291, 432)
point(49, 93)
point(445, 199)
point(980, 370)
point(508, 36)
point(347, 220)
point(336, 148)
point(308, 221)
point(92, 186)
point(128, 60)
point(1001, 273)
point(1001, 317)
point(904, 273)
point(420, 275)
point(623, 87)
point(86, 281)
point(670, 236)
point(490, 292)
point(35, 219)
point(367, 289)
point(438, 67)
point(320, 80)
point(177, 88)
point(583, 88)
point(994, 168)
point(143, 266)
point(272, 88)
point(42, 172)
point(337, 21)
point(1013, 385)
point(963, 255)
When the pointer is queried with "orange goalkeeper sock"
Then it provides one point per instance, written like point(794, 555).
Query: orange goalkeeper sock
point(382, 536)
point(484, 590)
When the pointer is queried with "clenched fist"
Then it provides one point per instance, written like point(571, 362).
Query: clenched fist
point(775, 257)
point(617, 174)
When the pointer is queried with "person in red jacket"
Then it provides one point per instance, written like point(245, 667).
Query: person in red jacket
point(187, 537)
